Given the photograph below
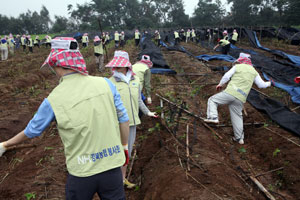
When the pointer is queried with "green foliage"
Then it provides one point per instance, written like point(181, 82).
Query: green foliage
point(276, 151)
point(155, 128)
point(29, 196)
point(242, 150)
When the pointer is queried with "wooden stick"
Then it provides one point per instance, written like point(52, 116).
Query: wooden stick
point(288, 139)
point(131, 164)
point(179, 157)
point(294, 109)
point(192, 114)
point(274, 170)
point(245, 112)
point(262, 188)
point(187, 148)
point(261, 92)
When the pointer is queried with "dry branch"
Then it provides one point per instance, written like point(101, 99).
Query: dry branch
point(274, 170)
point(187, 148)
point(131, 164)
point(283, 136)
point(262, 188)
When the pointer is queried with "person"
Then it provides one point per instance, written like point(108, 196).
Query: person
point(241, 76)
point(117, 39)
point(48, 41)
point(142, 70)
point(225, 35)
point(208, 36)
point(107, 38)
point(30, 43)
point(23, 42)
point(182, 35)
point(122, 38)
point(193, 35)
point(98, 49)
point(188, 35)
point(18, 41)
point(129, 88)
point(234, 37)
point(137, 36)
point(92, 123)
point(11, 44)
point(176, 37)
point(225, 44)
point(85, 40)
point(157, 38)
point(36, 41)
point(4, 48)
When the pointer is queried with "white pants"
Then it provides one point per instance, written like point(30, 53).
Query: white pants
point(131, 139)
point(235, 107)
point(4, 53)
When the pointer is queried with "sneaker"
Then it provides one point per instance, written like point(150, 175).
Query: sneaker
point(212, 120)
point(240, 141)
point(128, 184)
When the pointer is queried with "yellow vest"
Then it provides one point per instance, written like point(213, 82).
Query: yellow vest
point(224, 42)
point(139, 69)
point(85, 39)
point(117, 37)
point(129, 95)
point(193, 34)
point(188, 34)
point(176, 34)
point(3, 46)
point(87, 124)
point(99, 48)
point(30, 44)
point(235, 36)
point(23, 41)
point(241, 81)
point(137, 35)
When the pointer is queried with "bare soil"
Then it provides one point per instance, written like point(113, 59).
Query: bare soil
point(219, 168)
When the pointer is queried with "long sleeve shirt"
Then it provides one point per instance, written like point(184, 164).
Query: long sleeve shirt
point(258, 80)
point(45, 114)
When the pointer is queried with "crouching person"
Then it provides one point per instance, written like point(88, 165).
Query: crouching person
point(242, 76)
point(92, 123)
point(128, 86)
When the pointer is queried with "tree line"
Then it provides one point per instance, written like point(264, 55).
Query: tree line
point(141, 14)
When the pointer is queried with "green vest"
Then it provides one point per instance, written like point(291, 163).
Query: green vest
point(122, 37)
point(176, 34)
point(224, 42)
point(117, 37)
point(10, 42)
point(129, 95)
point(30, 42)
point(188, 34)
point(87, 124)
point(22, 41)
point(193, 34)
point(235, 36)
point(85, 39)
point(241, 81)
point(157, 36)
point(3, 45)
point(139, 69)
point(137, 35)
point(36, 41)
point(48, 40)
point(99, 48)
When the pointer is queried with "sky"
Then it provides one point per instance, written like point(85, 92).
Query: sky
point(59, 7)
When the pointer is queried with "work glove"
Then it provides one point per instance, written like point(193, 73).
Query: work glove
point(219, 87)
point(2, 148)
point(149, 100)
point(152, 114)
point(125, 147)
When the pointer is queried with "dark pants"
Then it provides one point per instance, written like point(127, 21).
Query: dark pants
point(177, 41)
point(30, 49)
point(158, 42)
point(24, 47)
point(232, 42)
point(226, 49)
point(48, 44)
point(84, 44)
point(137, 41)
point(37, 45)
point(108, 185)
point(122, 43)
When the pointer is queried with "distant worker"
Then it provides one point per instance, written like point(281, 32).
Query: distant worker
point(142, 70)
point(107, 38)
point(11, 44)
point(182, 35)
point(225, 44)
point(128, 86)
point(188, 35)
point(36, 41)
point(18, 41)
point(225, 35)
point(193, 33)
point(92, 123)
point(23, 42)
point(117, 39)
point(234, 37)
point(209, 36)
point(176, 37)
point(48, 41)
point(98, 51)
point(122, 39)
point(241, 76)
point(157, 37)
point(85, 40)
point(30, 43)
point(4, 48)
point(137, 37)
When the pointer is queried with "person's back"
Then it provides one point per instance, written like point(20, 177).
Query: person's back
point(89, 149)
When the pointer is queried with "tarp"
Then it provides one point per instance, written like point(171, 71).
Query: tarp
point(277, 111)
point(227, 58)
point(162, 71)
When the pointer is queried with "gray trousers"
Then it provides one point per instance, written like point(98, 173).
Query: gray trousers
point(4, 53)
point(100, 62)
point(131, 139)
point(235, 108)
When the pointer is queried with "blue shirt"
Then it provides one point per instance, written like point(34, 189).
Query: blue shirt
point(45, 114)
